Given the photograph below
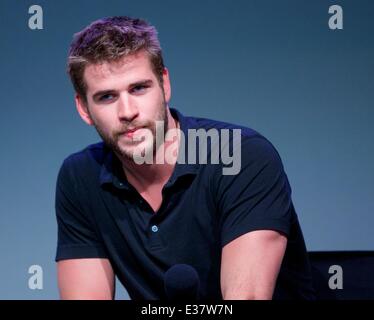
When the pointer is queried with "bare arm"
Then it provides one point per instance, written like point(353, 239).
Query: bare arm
point(250, 265)
point(86, 279)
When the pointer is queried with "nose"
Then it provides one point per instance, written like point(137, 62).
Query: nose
point(127, 109)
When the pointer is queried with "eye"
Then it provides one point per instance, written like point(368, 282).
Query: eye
point(106, 97)
point(139, 88)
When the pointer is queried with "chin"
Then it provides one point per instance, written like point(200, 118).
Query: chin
point(140, 148)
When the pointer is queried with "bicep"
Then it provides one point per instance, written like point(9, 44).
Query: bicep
point(86, 279)
point(250, 265)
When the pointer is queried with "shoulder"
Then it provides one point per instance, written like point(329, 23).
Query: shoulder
point(83, 163)
point(205, 123)
point(259, 148)
point(253, 146)
point(80, 159)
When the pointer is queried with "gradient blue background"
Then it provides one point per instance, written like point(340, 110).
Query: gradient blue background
point(274, 66)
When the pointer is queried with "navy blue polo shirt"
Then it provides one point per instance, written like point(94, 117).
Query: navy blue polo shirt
point(101, 215)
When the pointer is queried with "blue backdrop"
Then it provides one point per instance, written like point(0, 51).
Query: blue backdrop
point(274, 66)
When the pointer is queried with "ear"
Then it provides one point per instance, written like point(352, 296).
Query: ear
point(166, 85)
point(83, 110)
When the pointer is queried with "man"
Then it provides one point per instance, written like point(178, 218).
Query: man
point(119, 216)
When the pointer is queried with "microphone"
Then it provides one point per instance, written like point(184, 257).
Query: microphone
point(181, 282)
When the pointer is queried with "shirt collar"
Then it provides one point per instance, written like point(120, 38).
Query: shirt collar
point(112, 172)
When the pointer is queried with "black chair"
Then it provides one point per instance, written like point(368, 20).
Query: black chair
point(357, 274)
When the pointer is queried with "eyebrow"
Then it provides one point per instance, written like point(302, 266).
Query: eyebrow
point(146, 82)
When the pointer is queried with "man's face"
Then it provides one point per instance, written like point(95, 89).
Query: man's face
point(125, 96)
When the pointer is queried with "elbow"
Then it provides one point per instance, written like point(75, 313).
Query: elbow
point(240, 295)
point(85, 296)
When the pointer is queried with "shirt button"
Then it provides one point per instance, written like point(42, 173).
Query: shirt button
point(154, 228)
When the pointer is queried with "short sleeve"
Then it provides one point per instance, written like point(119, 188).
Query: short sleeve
point(77, 237)
point(258, 197)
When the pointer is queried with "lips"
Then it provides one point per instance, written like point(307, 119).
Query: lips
point(130, 132)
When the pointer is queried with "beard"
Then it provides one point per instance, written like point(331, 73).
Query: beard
point(127, 150)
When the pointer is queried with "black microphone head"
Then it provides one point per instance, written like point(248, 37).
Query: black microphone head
point(181, 282)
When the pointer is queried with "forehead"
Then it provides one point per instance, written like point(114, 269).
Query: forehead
point(128, 69)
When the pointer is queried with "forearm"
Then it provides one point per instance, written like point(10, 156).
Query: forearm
point(250, 266)
point(86, 279)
